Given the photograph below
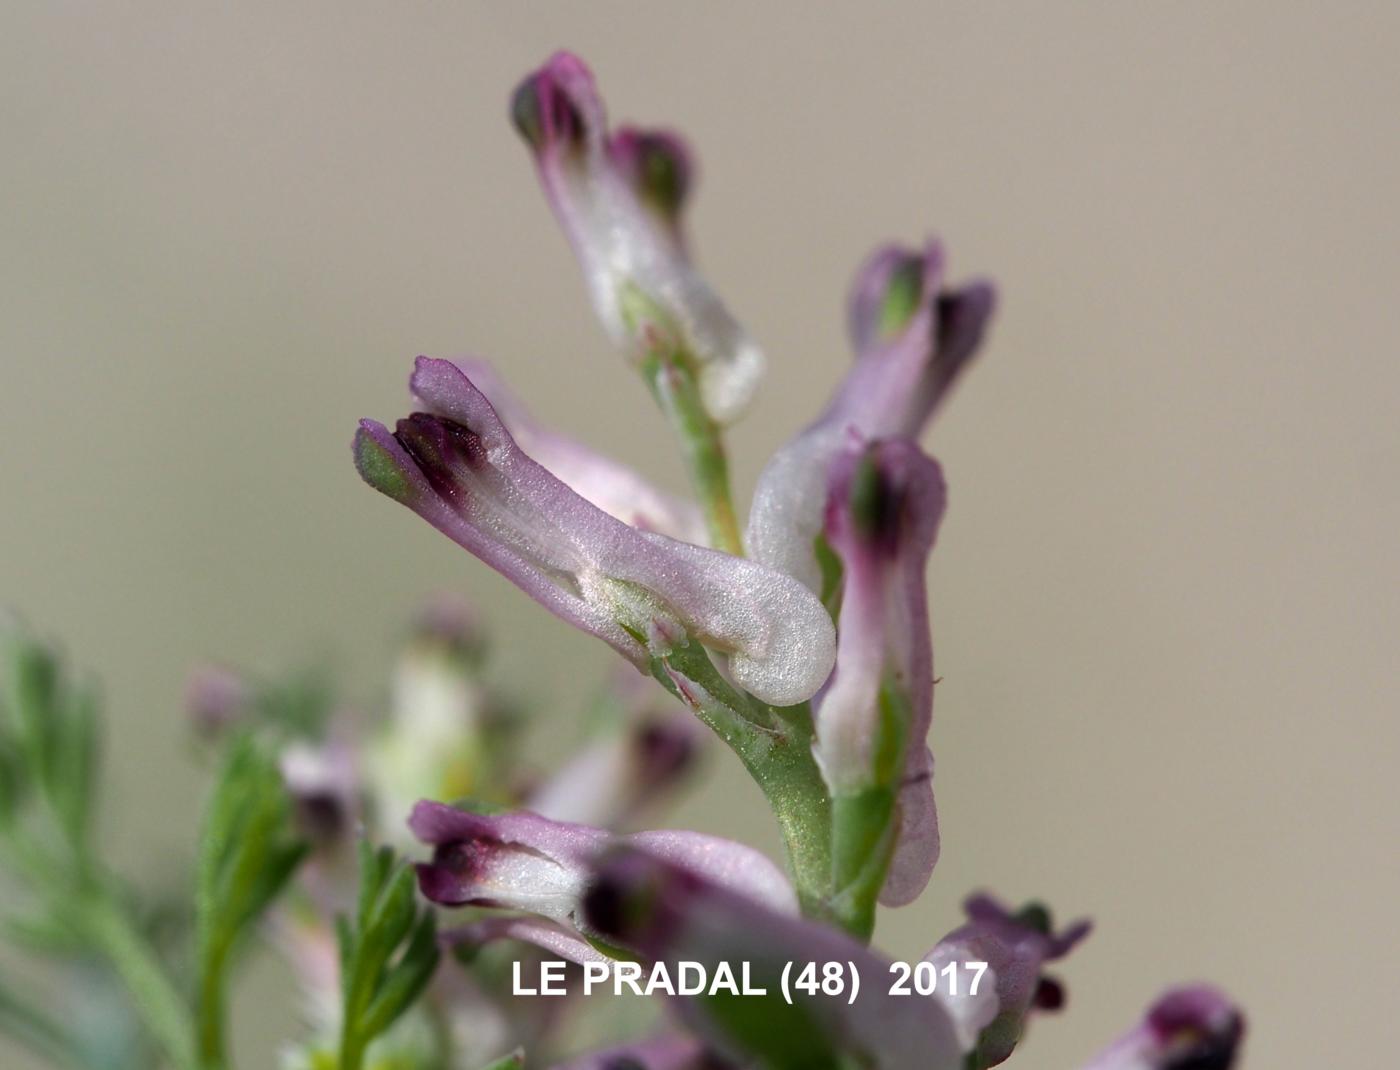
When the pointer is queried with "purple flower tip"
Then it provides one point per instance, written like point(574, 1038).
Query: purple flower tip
point(636, 900)
point(1194, 1027)
point(889, 289)
point(545, 107)
point(657, 164)
point(217, 696)
point(439, 885)
point(1030, 921)
point(450, 622)
point(1198, 1027)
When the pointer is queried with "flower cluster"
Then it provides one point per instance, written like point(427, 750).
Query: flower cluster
point(801, 638)
point(803, 642)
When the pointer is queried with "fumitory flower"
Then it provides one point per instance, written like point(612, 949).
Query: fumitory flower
point(216, 696)
point(455, 464)
point(1191, 1028)
point(912, 337)
point(1016, 946)
point(324, 785)
point(669, 914)
point(884, 505)
point(522, 861)
point(613, 779)
point(440, 717)
point(618, 196)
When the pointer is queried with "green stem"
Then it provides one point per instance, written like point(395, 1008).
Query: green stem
point(702, 448)
point(671, 374)
point(213, 1051)
point(775, 745)
point(155, 997)
point(352, 1051)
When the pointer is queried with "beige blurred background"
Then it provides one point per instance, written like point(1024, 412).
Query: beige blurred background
point(1165, 599)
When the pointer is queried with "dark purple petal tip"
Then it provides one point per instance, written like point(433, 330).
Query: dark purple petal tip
point(664, 748)
point(551, 107)
point(637, 900)
point(964, 314)
point(892, 495)
point(1032, 919)
point(1194, 1027)
point(657, 164)
point(1198, 1028)
point(439, 885)
point(437, 823)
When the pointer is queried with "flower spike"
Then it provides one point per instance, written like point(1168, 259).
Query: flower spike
point(618, 198)
point(872, 718)
point(1192, 1028)
point(912, 338)
point(457, 466)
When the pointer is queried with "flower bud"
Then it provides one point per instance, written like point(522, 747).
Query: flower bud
point(912, 338)
point(216, 697)
point(435, 740)
point(1191, 1028)
point(325, 789)
point(1015, 947)
point(658, 166)
point(614, 779)
point(618, 198)
point(884, 505)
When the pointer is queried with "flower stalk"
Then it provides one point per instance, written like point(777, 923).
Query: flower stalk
point(701, 441)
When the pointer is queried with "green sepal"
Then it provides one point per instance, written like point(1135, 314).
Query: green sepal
point(863, 822)
point(862, 841)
